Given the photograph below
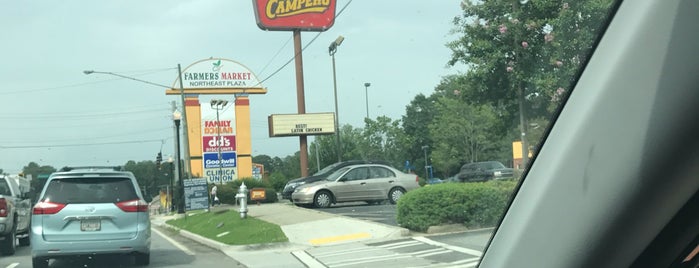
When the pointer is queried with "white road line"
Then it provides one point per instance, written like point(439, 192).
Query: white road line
point(343, 252)
point(13, 265)
point(369, 260)
point(396, 244)
point(174, 243)
point(405, 245)
point(307, 260)
point(447, 246)
point(443, 251)
point(426, 251)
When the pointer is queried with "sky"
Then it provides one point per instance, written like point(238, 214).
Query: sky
point(53, 114)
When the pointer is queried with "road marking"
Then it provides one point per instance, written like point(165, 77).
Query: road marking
point(332, 239)
point(13, 265)
point(222, 234)
point(447, 246)
point(431, 252)
point(397, 243)
point(367, 260)
point(307, 260)
point(464, 261)
point(415, 243)
point(173, 242)
point(343, 252)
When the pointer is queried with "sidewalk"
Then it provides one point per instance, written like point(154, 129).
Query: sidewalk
point(305, 228)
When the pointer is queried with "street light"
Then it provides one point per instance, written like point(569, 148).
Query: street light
point(219, 105)
point(184, 110)
point(176, 117)
point(332, 49)
point(424, 148)
point(366, 92)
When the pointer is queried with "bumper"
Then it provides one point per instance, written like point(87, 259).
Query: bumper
point(302, 198)
point(54, 249)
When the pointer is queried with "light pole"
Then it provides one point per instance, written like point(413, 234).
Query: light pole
point(424, 148)
point(176, 117)
point(184, 110)
point(366, 93)
point(332, 49)
point(219, 105)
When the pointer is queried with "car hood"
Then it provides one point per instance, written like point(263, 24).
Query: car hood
point(308, 179)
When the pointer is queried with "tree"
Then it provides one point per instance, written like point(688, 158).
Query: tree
point(463, 134)
point(524, 57)
point(418, 114)
point(383, 139)
point(34, 169)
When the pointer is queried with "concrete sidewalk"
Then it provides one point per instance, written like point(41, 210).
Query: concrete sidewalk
point(305, 228)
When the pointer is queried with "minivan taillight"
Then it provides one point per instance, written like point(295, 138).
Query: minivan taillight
point(3, 207)
point(47, 208)
point(136, 205)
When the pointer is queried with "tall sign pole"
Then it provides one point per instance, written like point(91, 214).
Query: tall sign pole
point(311, 16)
point(300, 101)
point(185, 135)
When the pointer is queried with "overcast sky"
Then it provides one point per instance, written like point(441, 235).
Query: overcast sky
point(53, 114)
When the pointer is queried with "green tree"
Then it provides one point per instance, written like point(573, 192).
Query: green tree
point(523, 57)
point(462, 134)
point(383, 139)
point(418, 115)
point(35, 169)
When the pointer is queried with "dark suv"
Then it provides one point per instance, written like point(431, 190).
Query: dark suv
point(484, 171)
point(322, 174)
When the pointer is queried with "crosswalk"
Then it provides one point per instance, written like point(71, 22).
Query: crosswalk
point(410, 252)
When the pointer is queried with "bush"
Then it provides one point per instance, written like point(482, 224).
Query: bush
point(474, 204)
point(226, 193)
point(278, 181)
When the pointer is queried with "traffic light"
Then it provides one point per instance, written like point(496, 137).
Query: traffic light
point(158, 159)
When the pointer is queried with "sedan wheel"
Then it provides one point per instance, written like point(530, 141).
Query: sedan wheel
point(395, 194)
point(322, 199)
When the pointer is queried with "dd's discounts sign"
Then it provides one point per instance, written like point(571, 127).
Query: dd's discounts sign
point(218, 144)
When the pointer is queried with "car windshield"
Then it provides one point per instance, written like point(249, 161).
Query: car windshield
point(327, 169)
point(188, 95)
point(89, 190)
point(336, 175)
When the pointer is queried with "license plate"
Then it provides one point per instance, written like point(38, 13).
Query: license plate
point(90, 225)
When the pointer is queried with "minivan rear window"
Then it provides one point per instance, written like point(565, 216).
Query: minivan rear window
point(90, 190)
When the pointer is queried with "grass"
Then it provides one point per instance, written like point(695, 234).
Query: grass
point(240, 231)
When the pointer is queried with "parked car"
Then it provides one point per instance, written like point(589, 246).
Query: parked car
point(484, 171)
point(15, 207)
point(431, 181)
point(321, 175)
point(365, 182)
point(90, 211)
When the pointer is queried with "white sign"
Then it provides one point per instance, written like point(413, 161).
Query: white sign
point(218, 73)
point(301, 124)
point(217, 167)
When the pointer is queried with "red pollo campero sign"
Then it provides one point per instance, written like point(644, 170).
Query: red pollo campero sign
point(287, 15)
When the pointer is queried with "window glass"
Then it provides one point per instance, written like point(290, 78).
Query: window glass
point(90, 190)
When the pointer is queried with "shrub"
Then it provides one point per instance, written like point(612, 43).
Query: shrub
point(473, 204)
point(278, 181)
point(226, 193)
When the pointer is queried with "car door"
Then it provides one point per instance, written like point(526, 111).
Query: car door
point(380, 181)
point(351, 186)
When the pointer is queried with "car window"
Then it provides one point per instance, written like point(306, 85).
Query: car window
point(336, 175)
point(89, 190)
point(4, 188)
point(381, 172)
point(360, 173)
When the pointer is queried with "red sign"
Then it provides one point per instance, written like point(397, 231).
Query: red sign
point(286, 15)
point(212, 143)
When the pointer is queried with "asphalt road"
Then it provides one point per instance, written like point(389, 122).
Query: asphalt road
point(173, 251)
point(384, 213)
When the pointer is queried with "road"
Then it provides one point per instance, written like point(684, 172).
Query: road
point(384, 213)
point(167, 250)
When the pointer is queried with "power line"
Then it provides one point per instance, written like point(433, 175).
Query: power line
point(23, 91)
point(79, 116)
point(79, 144)
point(302, 49)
